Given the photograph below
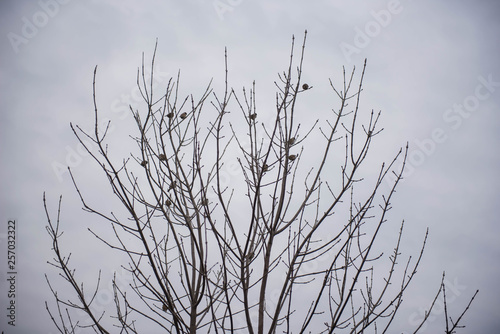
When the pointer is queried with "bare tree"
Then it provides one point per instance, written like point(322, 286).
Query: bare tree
point(291, 248)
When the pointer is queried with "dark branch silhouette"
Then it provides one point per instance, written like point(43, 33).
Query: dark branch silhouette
point(287, 246)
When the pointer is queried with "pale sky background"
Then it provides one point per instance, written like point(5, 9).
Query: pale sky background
point(423, 60)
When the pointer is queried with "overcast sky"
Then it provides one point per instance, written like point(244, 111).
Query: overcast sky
point(432, 69)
